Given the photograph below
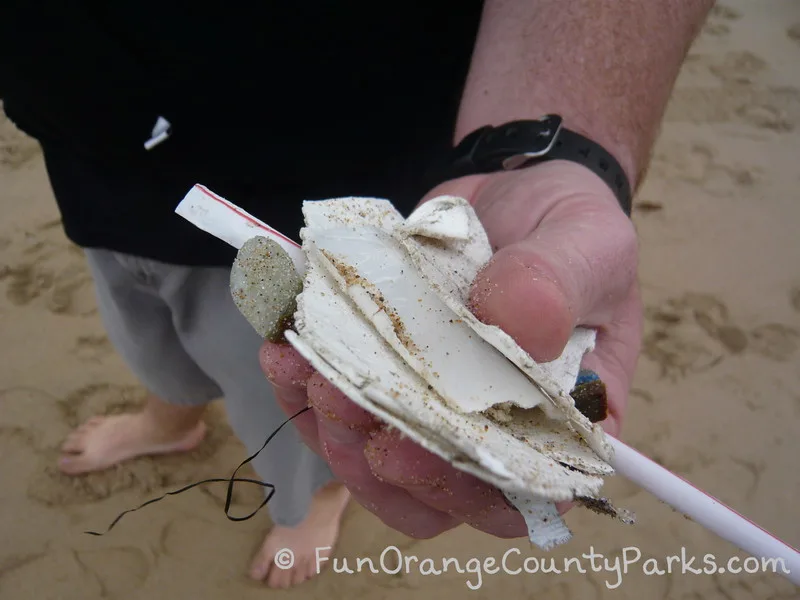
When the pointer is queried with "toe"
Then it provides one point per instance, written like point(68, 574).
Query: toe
point(279, 578)
point(74, 465)
point(274, 578)
point(87, 426)
point(301, 573)
point(260, 567)
point(74, 443)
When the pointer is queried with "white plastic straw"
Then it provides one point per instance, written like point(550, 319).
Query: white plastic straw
point(231, 224)
point(704, 509)
point(215, 215)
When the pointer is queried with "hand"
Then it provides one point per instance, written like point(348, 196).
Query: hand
point(565, 255)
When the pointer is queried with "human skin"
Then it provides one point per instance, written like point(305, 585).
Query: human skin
point(565, 253)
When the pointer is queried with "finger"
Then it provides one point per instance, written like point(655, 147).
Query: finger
point(392, 505)
point(428, 478)
point(344, 429)
point(573, 269)
point(615, 356)
point(288, 373)
point(343, 420)
point(284, 366)
point(463, 187)
point(305, 423)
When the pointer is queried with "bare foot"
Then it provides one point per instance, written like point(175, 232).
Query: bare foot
point(289, 555)
point(105, 441)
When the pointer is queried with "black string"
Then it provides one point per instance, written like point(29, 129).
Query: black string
point(231, 480)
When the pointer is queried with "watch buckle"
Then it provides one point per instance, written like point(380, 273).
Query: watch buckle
point(549, 137)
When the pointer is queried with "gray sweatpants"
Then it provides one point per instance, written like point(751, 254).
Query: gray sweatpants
point(183, 337)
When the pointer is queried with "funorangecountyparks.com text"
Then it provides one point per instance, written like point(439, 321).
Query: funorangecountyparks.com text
point(393, 561)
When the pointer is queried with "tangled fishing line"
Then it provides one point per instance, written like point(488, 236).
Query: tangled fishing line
point(589, 395)
point(230, 481)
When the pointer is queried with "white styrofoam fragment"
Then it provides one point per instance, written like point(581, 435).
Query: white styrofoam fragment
point(342, 344)
point(350, 212)
point(468, 373)
point(546, 528)
point(450, 270)
point(440, 218)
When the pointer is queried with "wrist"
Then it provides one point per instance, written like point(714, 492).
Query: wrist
point(607, 67)
point(617, 142)
point(521, 144)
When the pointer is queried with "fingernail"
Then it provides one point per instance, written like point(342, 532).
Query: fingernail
point(295, 397)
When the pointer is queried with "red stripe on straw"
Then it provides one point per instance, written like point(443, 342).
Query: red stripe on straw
point(245, 216)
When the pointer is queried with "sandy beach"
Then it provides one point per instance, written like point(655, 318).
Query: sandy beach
point(716, 398)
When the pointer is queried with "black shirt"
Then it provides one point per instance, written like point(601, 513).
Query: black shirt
point(270, 103)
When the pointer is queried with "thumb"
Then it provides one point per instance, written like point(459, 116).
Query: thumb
point(573, 269)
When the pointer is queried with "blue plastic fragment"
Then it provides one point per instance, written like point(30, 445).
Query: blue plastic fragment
point(586, 376)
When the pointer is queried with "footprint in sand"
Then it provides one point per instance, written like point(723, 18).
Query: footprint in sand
point(724, 13)
point(13, 437)
point(793, 33)
point(719, 19)
point(772, 109)
point(181, 533)
point(678, 335)
point(673, 338)
point(716, 28)
point(677, 358)
point(31, 420)
point(698, 163)
point(52, 274)
point(642, 395)
point(92, 348)
point(765, 116)
point(738, 99)
point(738, 67)
point(686, 459)
point(794, 298)
point(102, 573)
point(775, 341)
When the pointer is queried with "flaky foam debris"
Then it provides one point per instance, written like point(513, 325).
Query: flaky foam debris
point(383, 316)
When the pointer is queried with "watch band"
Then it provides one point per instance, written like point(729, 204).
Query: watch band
point(520, 144)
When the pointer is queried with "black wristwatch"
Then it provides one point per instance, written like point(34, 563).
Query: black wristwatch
point(520, 144)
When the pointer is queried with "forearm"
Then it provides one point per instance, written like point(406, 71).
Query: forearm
point(607, 66)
